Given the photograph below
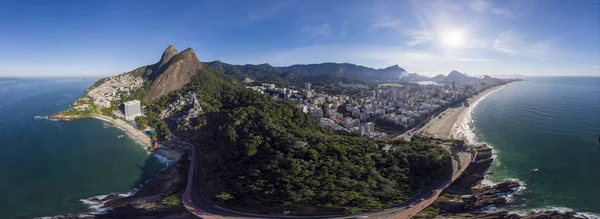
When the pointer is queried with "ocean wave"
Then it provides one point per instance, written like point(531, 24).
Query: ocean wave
point(40, 117)
point(586, 215)
point(96, 203)
point(162, 159)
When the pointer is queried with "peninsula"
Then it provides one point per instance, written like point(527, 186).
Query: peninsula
point(283, 146)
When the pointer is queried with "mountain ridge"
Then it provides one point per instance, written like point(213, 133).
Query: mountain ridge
point(347, 70)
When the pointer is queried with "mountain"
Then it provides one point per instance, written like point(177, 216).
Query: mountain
point(439, 77)
point(256, 151)
point(173, 71)
point(455, 77)
point(345, 70)
point(413, 77)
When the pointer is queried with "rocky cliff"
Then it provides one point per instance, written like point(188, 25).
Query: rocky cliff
point(175, 73)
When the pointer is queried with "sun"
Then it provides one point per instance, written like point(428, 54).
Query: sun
point(453, 38)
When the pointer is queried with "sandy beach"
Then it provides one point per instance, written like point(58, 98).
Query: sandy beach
point(446, 127)
point(132, 131)
point(143, 139)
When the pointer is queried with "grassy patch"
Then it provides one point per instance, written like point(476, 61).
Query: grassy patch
point(172, 200)
point(434, 209)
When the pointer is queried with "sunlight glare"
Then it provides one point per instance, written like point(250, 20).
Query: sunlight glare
point(453, 38)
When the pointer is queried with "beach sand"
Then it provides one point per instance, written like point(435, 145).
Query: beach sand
point(129, 129)
point(446, 127)
point(143, 139)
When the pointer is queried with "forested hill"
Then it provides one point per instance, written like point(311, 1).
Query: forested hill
point(344, 70)
point(260, 152)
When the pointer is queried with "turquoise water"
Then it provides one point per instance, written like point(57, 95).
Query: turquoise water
point(46, 167)
point(549, 123)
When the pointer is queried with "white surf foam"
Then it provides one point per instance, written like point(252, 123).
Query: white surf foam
point(96, 203)
point(40, 117)
point(586, 215)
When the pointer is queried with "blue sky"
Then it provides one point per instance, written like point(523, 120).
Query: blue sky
point(92, 38)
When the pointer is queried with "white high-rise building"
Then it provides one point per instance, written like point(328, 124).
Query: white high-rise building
point(132, 109)
point(307, 86)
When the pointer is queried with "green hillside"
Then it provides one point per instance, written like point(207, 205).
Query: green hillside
point(263, 152)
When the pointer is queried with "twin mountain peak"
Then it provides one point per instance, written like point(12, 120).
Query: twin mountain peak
point(175, 69)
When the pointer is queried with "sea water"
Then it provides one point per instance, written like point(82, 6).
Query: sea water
point(49, 167)
point(551, 124)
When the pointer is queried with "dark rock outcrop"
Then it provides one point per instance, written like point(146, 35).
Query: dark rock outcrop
point(474, 196)
point(167, 55)
point(175, 73)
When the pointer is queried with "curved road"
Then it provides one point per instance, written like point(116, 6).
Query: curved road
point(194, 199)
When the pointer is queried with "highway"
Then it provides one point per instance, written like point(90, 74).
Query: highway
point(195, 200)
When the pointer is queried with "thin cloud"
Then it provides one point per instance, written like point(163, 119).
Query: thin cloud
point(513, 44)
point(382, 21)
point(418, 37)
point(503, 12)
point(323, 30)
point(594, 66)
point(479, 6)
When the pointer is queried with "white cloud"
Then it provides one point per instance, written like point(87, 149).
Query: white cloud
point(479, 6)
point(323, 30)
point(385, 21)
point(503, 12)
point(483, 6)
point(418, 37)
point(594, 66)
point(513, 44)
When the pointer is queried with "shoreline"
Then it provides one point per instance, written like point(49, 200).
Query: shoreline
point(465, 114)
point(162, 153)
point(444, 125)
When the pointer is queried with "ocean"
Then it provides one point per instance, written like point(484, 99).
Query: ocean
point(50, 167)
point(551, 124)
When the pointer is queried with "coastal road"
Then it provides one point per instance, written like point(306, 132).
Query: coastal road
point(195, 200)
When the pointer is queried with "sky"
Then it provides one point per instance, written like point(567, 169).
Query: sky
point(429, 37)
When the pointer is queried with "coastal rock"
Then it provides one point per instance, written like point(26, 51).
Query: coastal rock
point(491, 195)
point(168, 182)
point(59, 116)
point(474, 196)
point(551, 215)
point(507, 215)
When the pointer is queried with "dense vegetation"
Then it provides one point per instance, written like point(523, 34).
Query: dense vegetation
point(262, 152)
point(296, 75)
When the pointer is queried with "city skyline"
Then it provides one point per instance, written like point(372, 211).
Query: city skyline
point(427, 37)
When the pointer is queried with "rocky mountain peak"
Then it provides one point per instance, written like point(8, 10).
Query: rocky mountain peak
point(167, 55)
point(455, 72)
point(175, 72)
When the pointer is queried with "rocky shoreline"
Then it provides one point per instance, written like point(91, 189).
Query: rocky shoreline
point(59, 116)
point(160, 197)
point(471, 198)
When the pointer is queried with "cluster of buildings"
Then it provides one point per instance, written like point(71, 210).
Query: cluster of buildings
point(404, 105)
point(189, 106)
point(112, 88)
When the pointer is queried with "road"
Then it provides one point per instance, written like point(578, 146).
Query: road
point(195, 200)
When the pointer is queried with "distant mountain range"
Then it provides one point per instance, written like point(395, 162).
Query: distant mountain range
point(345, 70)
point(294, 74)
